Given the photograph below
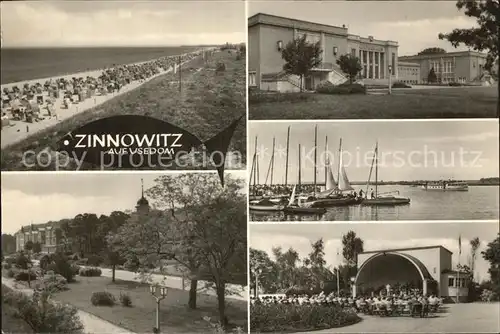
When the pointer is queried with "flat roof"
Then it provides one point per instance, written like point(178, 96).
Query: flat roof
point(446, 54)
point(406, 249)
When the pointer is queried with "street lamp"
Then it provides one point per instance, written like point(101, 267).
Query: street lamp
point(162, 290)
point(390, 78)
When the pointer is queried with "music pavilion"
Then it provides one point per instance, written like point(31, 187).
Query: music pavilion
point(425, 268)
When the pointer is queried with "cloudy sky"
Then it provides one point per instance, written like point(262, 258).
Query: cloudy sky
point(415, 25)
point(413, 150)
point(41, 197)
point(376, 236)
point(121, 23)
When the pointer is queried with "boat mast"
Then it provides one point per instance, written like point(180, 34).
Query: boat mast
point(371, 169)
point(256, 161)
point(270, 169)
point(376, 170)
point(315, 156)
point(340, 160)
point(287, 149)
point(300, 167)
point(327, 163)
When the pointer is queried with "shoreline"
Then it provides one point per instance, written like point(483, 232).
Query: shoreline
point(92, 73)
point(20, 130)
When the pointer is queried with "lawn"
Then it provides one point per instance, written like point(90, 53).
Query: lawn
point(175, 317)
point(209, 102)
point(456, 102)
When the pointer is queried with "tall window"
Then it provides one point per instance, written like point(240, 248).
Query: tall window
point(353, 52)
point(252, 79)
point(451, 281)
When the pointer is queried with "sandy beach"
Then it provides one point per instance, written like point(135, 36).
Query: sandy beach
point(19, 130)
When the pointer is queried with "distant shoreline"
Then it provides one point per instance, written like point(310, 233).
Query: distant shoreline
point(395, 183)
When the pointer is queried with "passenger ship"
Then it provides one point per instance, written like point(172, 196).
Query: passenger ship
point(447, 186)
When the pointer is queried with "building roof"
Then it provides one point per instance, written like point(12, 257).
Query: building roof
point(446, 54)
point(406, 249)
point(405, 63)
point(280, 21)
point(142, 201)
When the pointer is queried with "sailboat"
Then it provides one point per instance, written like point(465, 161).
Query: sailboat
point(333, 196)
point(298, 207)
point(381, 199)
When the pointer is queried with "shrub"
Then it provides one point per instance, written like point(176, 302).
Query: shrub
point(10, 260)
point(7, 266)
point(300, 290)
point(220, 67)
point(75, 269)
point(25, 275)
point(400, 85)
point(62, 267)
point(95, 260)
point(45, 261)
point(11, 273)
point(454, 84)
point(22, 261)
point(262, 97)
point(489, 296)
point(53, 282)
point(43, 315)
point(125, 299)
point(90, 272)
point(344, 89)
point(283, 318)
point(102, 298)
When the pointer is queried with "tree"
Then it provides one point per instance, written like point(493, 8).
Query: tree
point(37, 248)
point(474, 245)
point(352, 246)
point(8, 244)
point(484, 37)
point(268, 278)
point(492, 255)
point(28, 246)
point(432, 77)
point(350, 65)
point(300, 57)
point(431, 51)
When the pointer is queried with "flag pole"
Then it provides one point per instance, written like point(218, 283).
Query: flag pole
point(458, 271)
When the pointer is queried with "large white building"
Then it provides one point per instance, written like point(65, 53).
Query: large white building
point(426, 268)
point(269, 34)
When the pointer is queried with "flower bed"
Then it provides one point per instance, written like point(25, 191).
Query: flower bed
point(284, 318)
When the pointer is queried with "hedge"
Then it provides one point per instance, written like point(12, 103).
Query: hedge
point(343, 89)
point(259, 97)
point(102, 298)
point(90, 272)
point(283, 317)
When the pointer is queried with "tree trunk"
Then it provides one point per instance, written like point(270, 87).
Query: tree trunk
point(113, 274)
point(221, 298)
point(192, 294)
point(301, 83)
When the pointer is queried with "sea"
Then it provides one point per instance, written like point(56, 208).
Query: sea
point(479, 203)
point(22, 64)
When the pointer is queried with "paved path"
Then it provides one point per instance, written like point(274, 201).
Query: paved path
point(457, 318)
point(91, 323)
point(18, 130)
point(174, 282)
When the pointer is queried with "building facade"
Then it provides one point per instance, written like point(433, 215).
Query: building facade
point(459, 67)
point(50, 236)
point(409, 73)
point(269, 34)
point(425, 268)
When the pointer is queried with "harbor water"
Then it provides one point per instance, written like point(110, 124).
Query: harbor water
point(479, 203)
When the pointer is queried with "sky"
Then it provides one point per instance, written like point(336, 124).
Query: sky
point(121, 23)
point(376, 236)
point(41, 197)
point(408, 150)
point(414, 25)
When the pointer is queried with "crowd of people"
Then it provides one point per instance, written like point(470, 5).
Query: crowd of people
point(410, 303)
point(25, 103)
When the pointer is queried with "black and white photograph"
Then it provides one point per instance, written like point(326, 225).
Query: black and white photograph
point(373, 59)
point(374, 278)
point(66, 64)
point(124, 253)
point(374, 170)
